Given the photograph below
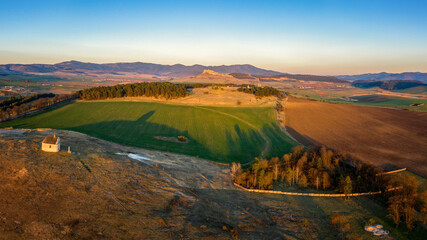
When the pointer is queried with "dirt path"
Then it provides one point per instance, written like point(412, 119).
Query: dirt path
point(267, 140)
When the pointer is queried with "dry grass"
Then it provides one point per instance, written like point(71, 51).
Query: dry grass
point(94, 194)
point(385, 137)
point(223, 97)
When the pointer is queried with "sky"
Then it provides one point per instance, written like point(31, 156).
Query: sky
point(313, 37)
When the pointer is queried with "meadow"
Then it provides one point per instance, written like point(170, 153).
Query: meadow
point(367, 97)
point(390, 101)
point(223, 134)
point(414, 90)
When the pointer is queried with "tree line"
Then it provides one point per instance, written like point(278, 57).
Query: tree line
point(325, 169)
point(18, 100)
point(319, 167)
point(15, 106)
point(260, 91)
point(147, 89)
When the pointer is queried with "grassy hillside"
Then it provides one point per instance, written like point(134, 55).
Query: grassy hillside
point(221, 134)
point(367, 97)
point(390, 101)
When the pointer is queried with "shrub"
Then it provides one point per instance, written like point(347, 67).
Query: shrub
point(182, 138)
point(340, 222)
point(370, 222)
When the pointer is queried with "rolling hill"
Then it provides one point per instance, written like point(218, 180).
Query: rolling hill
point(223, 134)
point(303, 77)
point(388, 84)
point(93, 69)
point(418, 76)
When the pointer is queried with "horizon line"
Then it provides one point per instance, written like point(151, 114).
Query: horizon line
point(197, 64)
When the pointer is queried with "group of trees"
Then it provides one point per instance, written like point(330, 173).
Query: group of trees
point(319, 167)
point(260, 91)
point(18, 100)
point(15, 106)
point(323, 169)
point(406, 205)
point(148, 89)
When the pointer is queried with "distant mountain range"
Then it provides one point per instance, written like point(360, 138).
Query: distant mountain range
point(303, 77)
point(244, 78)
point(151, 70)
point(94, 69)
point(418, 76)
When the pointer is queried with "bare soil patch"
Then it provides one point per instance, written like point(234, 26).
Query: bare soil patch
point(386, 137)
point(170, 139)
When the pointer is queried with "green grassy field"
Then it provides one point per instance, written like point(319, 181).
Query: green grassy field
point(330, 93)
point(212, 133)
point(390, 101)
point(372, 99)
point(414, 90)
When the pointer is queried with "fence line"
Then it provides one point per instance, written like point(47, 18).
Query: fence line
point(314, 194)
point(390, 172)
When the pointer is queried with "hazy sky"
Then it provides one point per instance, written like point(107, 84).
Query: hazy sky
point(320, 37)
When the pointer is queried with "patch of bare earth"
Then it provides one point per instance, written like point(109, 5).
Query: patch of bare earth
point(170, 139)
point(386, 137)
point(95, 194)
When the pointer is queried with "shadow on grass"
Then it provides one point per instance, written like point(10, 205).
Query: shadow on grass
point(248, 144)
point(142, 133)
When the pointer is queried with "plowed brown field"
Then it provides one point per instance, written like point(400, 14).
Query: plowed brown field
point(387, 137)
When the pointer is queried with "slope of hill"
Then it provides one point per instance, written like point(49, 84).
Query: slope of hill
point(303, 77)
point(210, 76)
point(386, 76)
point(96, 194)
point(223, 134)
point(382, 136)
point(81, 68)
point(388, 84)
point(414, 90)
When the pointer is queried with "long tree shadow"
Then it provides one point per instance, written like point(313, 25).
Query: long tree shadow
point(142, 133)
point(242, 145)
point(253, 215)
point(245, 145)
point(281, 142)
point(249, 143)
